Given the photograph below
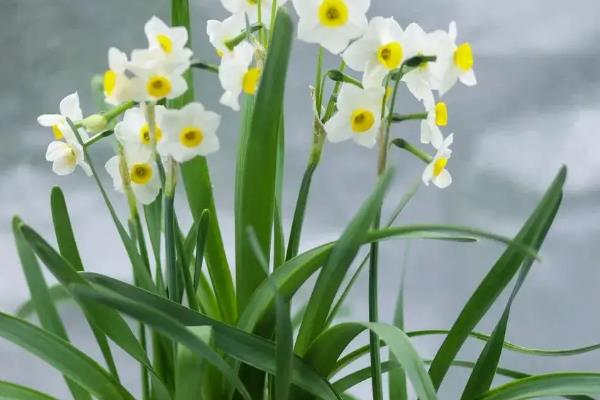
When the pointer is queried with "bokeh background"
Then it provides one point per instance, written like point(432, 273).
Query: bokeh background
point(537, 106)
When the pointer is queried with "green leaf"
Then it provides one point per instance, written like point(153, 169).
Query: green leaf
point(493, 283)
point(485, 369)
point(198, 188)
point(294, 272)
point(106, 320)
point(397, 377)
point(64, 357)
point(63, 230)
point(11, 391)
point(354, 378)
point(556, 384)
point(330, 344)
point(57, 294)
point(338, 262)
point(200, 245)
point(190, 368)
point(68, 249)
point(152, 215)
point(41, 300)
point(256, 167)
point(250, 349)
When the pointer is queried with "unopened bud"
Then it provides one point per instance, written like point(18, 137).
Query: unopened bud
point(94, 123)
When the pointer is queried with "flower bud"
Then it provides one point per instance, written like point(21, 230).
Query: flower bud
point(94, 123)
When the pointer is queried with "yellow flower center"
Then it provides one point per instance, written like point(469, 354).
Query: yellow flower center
point(145, 134)
point(141, 173)
point(439, 166)
point(110, 81)
point(333, 13)
point(390, 55)
point(250, 80)
point(191, 136)
point(441, 114)
point(57, 132)
point(158, 86)
point(362, 120)
point(164, 42)
point(463, 57)
point(252, 2)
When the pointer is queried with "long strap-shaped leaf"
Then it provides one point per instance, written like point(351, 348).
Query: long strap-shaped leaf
point(293, 273)
point(330, 344)
point(354, 378)
point(11, 391)
point(199, 191)
point(64, 357)
point(257, 162)
point(485, 369)
point(41, 299)
point(336, 267)
point(547, 385)
point(250, 349)
point(168, 326)
point(68, 249)
point(103, 318)
point(493, 284)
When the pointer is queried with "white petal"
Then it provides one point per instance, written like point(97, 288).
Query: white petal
point(117, 60)
point(231, 99)
point(64, 166)
point(338, 128)
point(113, 169)
point(69, 107)
point(178, 86)
point(359, 53)
point(443, 180)
point(57, 150)
point(366, 139)
point(50, 119)
point(427, 174)
point(468, 78)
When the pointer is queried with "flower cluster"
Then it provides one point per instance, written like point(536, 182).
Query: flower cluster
point(148, 134)
point(379, 48)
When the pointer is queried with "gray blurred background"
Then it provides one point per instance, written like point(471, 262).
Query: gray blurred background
point(537, 106)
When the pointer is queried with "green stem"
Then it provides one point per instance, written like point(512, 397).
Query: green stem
point(98, 137)
point(420, 154)
point(409, 117)
point(313, 162)
point(118, 110)
point(205, 66)
point(376, 383)
point(169, 227)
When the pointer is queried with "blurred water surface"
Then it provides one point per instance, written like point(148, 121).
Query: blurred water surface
point(537, 106)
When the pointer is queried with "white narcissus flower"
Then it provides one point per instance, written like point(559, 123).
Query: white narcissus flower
point(169, 41)
point(143, 176)
point(437, 115)
point(69, 108)
point(250, 7)
point(189, 132)
point(220, 32)
point(237, 75)
point(358, 115)
point(455, 61)
point(66, 156)
point(134, 134)
point(421, 81)
point(436, 171)
point(117, 88)
point(154, 81)
point(382, 49)
point(331, 23)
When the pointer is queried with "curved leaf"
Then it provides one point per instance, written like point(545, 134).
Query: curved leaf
point(250, 349)
point(57, 294)
point(335, 269)
point(493, 283)
point(557, 384)
point(257, 157)
point(64, 357)
point(11, 391)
